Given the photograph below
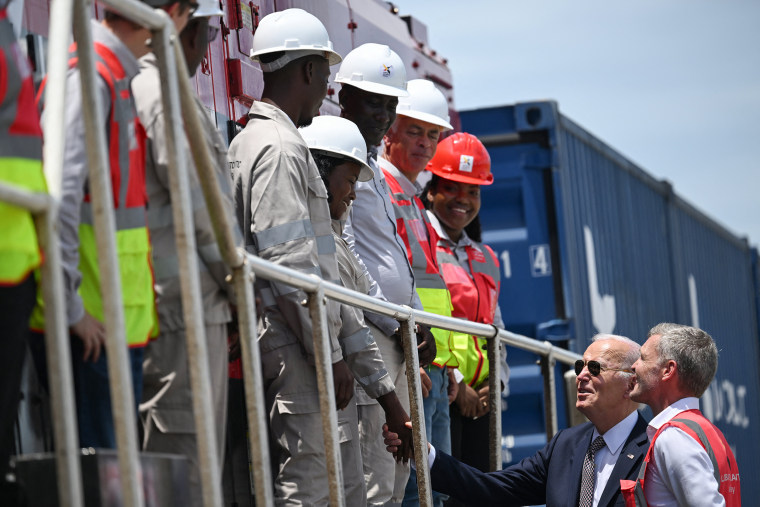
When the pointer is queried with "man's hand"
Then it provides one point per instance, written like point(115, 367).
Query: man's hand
point(453, 388)
point(93, 336)
point(425, 383)
point(425, 345)
point(343, 381)
point(468, 400)
point(396, 420)
point(484, 400)
point(392, 441)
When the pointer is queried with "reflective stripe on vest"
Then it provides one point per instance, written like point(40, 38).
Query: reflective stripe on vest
point(20, 158)
point(474, 298)
point(697, 426)
point(434, 296)
point(126, 155)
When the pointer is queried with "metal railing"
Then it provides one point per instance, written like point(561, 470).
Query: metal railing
point(179, 106)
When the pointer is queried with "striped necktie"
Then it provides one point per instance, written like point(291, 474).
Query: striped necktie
point(589, 474)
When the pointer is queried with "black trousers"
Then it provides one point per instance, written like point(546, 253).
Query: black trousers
point(16, 305)
point(469, 442)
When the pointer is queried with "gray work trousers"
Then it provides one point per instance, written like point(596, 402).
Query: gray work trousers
point(297, 442)
point(386, 479)
point(167, 408)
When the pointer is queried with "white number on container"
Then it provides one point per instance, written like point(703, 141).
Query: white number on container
point(540, 261)
point(505, 264)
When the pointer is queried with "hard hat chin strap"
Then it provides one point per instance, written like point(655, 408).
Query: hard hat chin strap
point(288, 57)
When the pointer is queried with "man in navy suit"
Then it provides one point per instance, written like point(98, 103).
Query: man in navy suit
point(553, 475)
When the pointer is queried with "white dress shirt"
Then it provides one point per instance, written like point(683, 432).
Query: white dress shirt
point(681, 473)
point(607, 456)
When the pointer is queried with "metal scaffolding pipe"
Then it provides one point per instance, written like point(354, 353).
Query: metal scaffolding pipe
point(494, 402)
point(212, 193)
point(254, 385)
point(61, 19)
point(327, 407)
point(122, 397)
point(419, 432)
point(136, 11)
point(35, 202)
point(550, 395)
point(164, 41)
point(58, 354)
point(544, 349)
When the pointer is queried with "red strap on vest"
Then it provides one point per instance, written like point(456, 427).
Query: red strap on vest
point(431, 264)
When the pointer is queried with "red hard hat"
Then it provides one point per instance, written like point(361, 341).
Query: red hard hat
point(462, 157)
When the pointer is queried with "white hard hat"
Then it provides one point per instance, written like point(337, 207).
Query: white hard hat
point(294, 31)
point(374, 68)
point(208, 8)
point(425, 102)
point(334, 135)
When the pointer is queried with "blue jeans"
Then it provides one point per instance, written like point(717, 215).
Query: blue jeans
point(436, 407)
point(96, 427)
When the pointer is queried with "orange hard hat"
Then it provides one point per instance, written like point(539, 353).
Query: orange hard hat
point(462, 157)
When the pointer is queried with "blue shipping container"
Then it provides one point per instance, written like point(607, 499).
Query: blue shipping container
point(590, 243)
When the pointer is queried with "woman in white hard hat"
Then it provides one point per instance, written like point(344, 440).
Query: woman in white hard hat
point(340, 153)
point(472, 275)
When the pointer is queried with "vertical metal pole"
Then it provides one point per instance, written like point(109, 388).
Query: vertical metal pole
point(409, 343)
point(254, 385)
point(122, 396)
point(184, 233)
point(58, 350)
point(494, 400)
point(61, 13)
point(327, 407)
point(550, 396)
point(220, 219)
point(68, 470)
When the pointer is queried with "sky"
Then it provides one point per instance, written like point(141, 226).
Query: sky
point(673, 85)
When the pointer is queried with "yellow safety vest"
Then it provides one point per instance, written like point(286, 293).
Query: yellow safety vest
point(127, 161)
point(420, 239)
point(20, 158)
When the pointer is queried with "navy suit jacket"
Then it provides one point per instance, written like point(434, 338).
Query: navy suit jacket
point(552, 476)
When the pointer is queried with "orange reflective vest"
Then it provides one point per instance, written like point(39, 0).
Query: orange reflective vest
point(20, 158)
point(474, 298)
point(126, 153)
point(694, 424)
point(420, 238)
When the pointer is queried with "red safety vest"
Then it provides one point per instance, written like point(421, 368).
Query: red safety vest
point(126, 153)
point(694, 424)
point(420, 239)
point(20, 158)
point(474, 298)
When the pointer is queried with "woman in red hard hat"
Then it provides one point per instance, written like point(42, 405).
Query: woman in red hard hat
point(472, 275)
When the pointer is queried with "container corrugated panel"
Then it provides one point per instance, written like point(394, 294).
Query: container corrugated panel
point(716, 292)
point(613, 239)
point(627, 254)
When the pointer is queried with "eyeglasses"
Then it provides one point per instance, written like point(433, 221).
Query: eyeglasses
point(213, 31)
point(594, 368)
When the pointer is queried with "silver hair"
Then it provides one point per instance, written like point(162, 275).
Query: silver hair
point(694, 352)
point(625, 358)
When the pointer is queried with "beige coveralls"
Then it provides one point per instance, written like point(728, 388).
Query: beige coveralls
point(281, 204)
point(167, 409)
point(363, 357)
